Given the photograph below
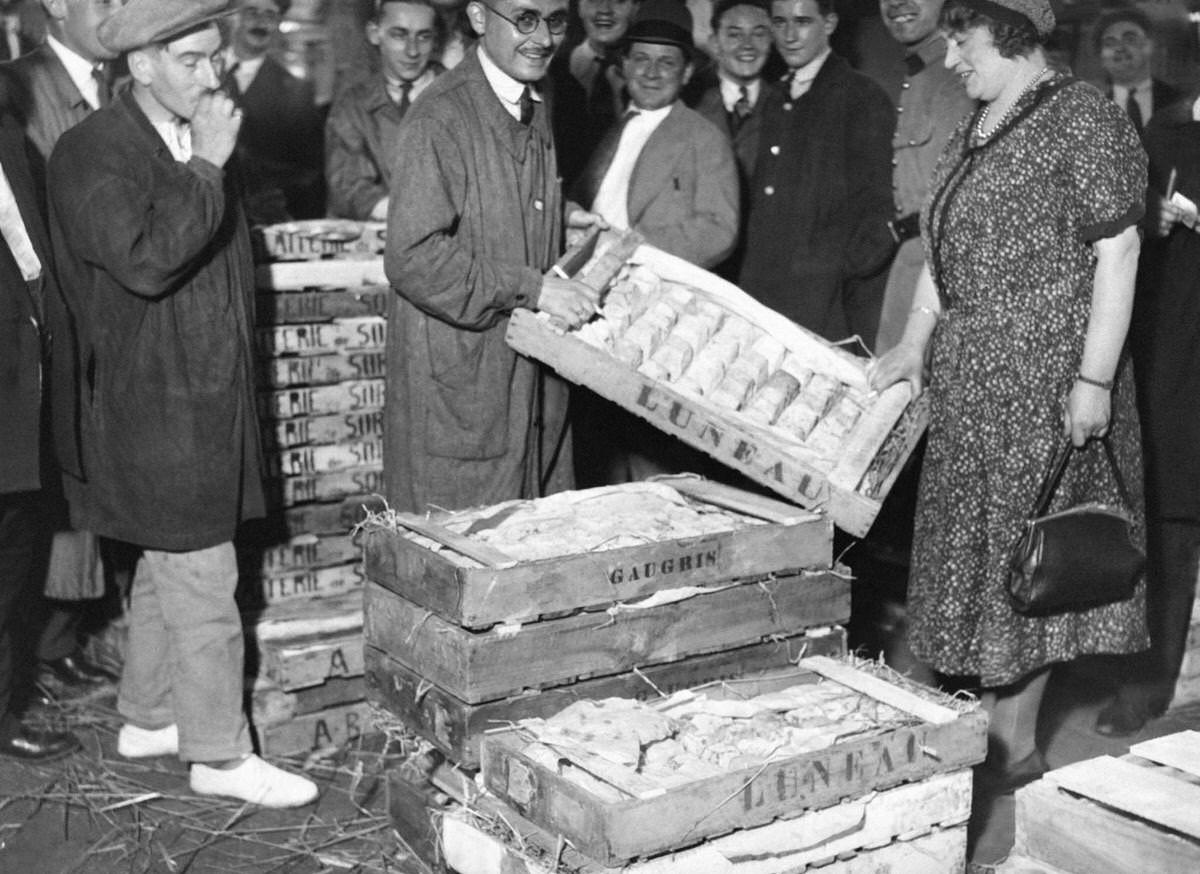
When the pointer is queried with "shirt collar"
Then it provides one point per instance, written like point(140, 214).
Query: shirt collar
point(1143, 87)
point(810, 70)
point(78, 67)
point(731, 91)
point(648, 116)
point(930, 50)
point(419, 84)
point(247, 68)
point(505, 86)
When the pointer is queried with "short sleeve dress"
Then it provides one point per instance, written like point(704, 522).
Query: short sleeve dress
point(1008, 231)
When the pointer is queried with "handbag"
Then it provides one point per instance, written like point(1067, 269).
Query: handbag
point(1076, 558)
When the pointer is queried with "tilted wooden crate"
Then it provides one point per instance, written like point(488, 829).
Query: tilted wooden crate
point(937, 736)
point(848, 479)
point(477, 585)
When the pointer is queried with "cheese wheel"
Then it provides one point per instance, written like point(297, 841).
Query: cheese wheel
point(703, 375)
point(674, 355)
point(798, 418)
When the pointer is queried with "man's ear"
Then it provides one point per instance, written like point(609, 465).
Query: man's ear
point(477, 15)
point(140, 67)
point(373, 33)
point(831, 23)
point(688, 69)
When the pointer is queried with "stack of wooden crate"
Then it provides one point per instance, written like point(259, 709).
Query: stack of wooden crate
point(890, 795)
point(461, 638)
point(1140, 812)
point(321, 331)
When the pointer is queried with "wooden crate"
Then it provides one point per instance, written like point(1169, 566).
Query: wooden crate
point(338, 273)
point(1115, 816)
point(333, 727)
point(308, 460)
point(299, 553)
point(852, 483)
point(361, 334)
point(298, 307)
point(919, 828)
point(339, 398)
point(489, 587)
point(324, 369)
point(456, 727)
point(324, 430)
point(482, 666)
point(320, 238)
point(292, 490)
point(939, 739)
point(302, 585)
point(329, 518)
point(270, 705)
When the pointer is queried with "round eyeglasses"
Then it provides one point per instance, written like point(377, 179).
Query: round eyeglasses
point(527, 20)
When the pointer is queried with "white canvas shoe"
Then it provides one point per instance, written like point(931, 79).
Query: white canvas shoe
point(141, 743)
point(255, 781)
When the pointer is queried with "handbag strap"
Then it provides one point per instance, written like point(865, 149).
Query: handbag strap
point(1058, 464)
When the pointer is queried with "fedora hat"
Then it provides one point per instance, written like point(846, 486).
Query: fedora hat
point(666, 22)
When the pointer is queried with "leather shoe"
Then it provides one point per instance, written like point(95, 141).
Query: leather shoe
point(38, 746)
point(1128, 713)
point(76, 670)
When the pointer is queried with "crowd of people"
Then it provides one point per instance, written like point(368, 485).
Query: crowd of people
point(985, 223)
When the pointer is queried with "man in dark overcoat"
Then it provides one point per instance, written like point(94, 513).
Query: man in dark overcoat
point(476, 216)
point(154, 253)
point(817, 239)
point(29, 300)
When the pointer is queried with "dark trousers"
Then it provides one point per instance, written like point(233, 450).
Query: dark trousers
point(20, 542)
point(1173, 548)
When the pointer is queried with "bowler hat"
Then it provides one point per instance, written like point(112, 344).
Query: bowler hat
point(144, 22)
point(665, 22)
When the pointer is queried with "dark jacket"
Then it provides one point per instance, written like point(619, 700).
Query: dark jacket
point(1165, 332)
point(475, 218)
point(280, 144)
point(22, 322)
point(44, 98)
point(154, 257)
point(817, 239)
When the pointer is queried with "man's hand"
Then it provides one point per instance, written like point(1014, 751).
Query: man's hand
point(580, 221)
point(215, 127)
point(570, 302)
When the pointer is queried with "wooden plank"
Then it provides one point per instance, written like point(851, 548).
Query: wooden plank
point(270, 705)
point(338, 273)
point(880, 690)
point(337, 726)
point(359, 334)
point(1015, 863)
point(831, 838)
point(1081, 836)
point(329, 518)
point(486, 555)
point(342, 397)
point(323, 430)
point(412, 807)
point(297, 370)
point(300, 662)
point(321, 238)
point(287, 621)
point(301, 307)
point(480, 597)
point(721, 495)
point(613, 833)
point(313, 584)
point(302, 552)
point(484, 666)
point(309, 460)
point(868, 435)
point(456, 727)
point(1158, 799)
point(1180, 750)
point(292, 490)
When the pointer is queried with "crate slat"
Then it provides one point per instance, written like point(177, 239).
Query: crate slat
point(1159, 799)
point(337, 273)
point(326, 369)
point(270, 705)
point(359, 334)
point(324, 430)
point(309, 660)
point(342, 397)
point(333, 727)
point(329, 518)
point(1180, 750)
point(292, 490)
point(880, 690)
point(289, 308)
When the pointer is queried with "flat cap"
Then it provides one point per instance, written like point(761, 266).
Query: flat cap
point(144, 22)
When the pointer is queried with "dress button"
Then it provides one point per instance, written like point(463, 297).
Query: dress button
point(895, 162)
point(899, 109)
point(538, 205)
point(906, 85)
point(912, 142)
point(774, 150)
point(769, 190)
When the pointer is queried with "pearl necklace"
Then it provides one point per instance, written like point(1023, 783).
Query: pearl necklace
point(979, 134)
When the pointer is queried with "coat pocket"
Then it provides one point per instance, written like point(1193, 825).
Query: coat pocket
point(469, 394)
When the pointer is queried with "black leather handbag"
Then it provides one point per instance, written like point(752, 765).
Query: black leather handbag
point(1076, 558)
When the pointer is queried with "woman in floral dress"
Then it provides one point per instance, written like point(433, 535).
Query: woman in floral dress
point(1031, 247)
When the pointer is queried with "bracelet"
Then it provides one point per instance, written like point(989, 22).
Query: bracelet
point(1098, 383)
point(936, 315)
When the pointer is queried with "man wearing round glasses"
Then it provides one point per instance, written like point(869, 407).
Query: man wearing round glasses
point(475, 219)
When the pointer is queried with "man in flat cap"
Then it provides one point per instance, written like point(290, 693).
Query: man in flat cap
point(475, 219)
point(155, 257)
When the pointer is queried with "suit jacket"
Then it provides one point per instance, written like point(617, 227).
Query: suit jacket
point(817, 240)
point(280, 143)
point(22, 313)
point(44, 98)
point(683, 194)
point(1162, 94)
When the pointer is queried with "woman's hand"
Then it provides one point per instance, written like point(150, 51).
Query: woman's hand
point(900, 363)
point(1088, 411)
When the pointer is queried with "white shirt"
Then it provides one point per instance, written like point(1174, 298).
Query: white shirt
point(79, 69)
point(12, 228)
point(802, 77)
point(612, 200)
point(12, 35)
point(505, 86)
point(731, 91)
point(245, 70)
point(419, 84)
point(1143, 94)
point(178, 137)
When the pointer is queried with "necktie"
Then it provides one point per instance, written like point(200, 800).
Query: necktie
point(1135, 111)
point(405, 100)
point(229, 82)
point(103, 93)
point(600, 100)
point(741, 109)
point(526, 105)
